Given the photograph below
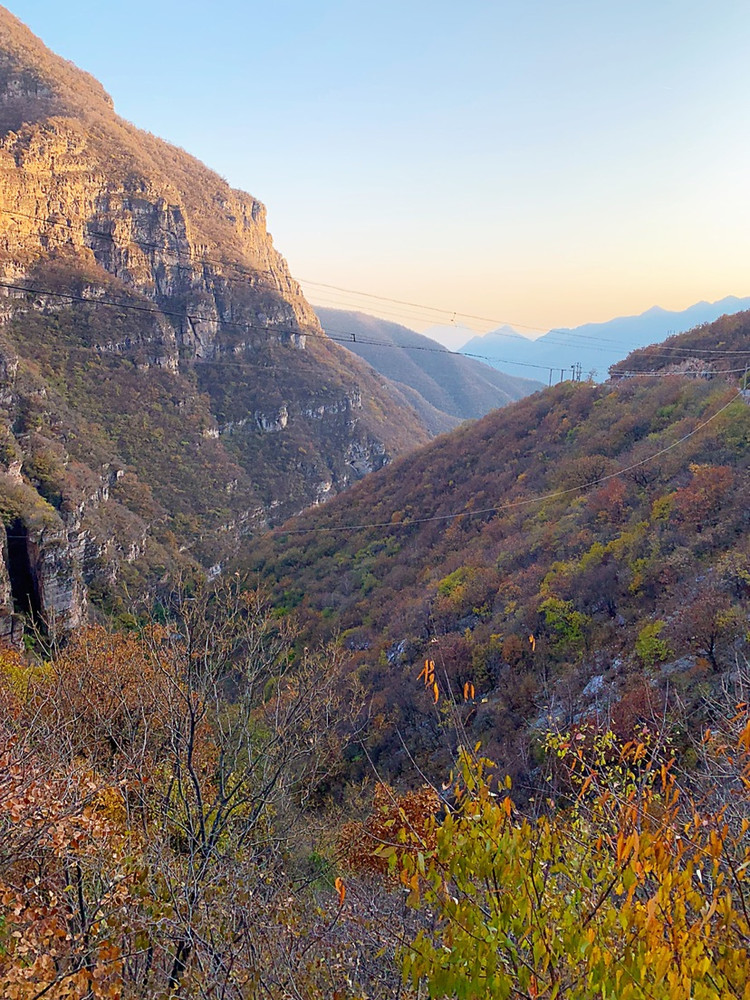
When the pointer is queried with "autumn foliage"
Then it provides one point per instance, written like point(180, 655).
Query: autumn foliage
point(631, 891)
point(155, 786)
point(151, 786)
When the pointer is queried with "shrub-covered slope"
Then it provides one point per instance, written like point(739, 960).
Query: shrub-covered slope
point(601, 538)
point(718, 349)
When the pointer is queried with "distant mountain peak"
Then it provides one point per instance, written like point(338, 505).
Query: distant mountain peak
point(595, 346)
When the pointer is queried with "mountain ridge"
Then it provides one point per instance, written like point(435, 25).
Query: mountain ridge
point(461, 388)
point(165, 388)
point(561, 347)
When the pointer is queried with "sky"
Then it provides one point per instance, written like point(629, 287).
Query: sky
point(532, 162)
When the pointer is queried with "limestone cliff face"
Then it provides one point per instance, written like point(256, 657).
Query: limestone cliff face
point(56, 197)
point(74, 175)
point(165, 339)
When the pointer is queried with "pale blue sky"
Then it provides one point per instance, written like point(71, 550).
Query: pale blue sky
point(533, 161)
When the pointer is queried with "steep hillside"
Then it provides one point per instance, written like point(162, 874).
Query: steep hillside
point(166, 389)
point(595, 346)
point(459, 387)
point(564, 555)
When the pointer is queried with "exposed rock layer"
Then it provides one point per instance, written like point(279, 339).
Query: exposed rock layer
point(165, 387)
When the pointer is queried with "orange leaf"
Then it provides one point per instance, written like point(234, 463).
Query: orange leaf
point(341, 890)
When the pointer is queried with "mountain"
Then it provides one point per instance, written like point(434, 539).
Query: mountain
point(595, 346)
point(165, 389)
point(584, 550)
point(458, 388)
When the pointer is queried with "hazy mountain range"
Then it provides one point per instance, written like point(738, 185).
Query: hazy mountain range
point(445, 388)
point(595, 346)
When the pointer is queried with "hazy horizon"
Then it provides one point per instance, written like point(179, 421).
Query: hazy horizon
point(456, 336)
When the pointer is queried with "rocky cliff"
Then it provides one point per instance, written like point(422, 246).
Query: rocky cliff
point(165, 387)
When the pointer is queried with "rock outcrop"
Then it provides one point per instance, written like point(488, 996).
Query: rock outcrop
point(149, 326)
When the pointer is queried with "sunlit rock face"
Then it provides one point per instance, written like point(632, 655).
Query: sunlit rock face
point(165, 389)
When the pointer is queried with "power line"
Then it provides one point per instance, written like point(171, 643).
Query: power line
point(350, 338)
point(144, 244)
point(223, 324)
point(72, 297)
point(485, 319)
point(484, 357)
point(239, 268)
point(418, 305)
point(516, 503)
point(563, 338)
point(667, 374)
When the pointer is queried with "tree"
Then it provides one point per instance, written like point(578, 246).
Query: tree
point(156, 781)
point(622, 895)
point(706, 622)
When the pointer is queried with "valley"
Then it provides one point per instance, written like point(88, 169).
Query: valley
point(335, 665)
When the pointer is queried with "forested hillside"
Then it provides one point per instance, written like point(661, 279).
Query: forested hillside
point(577, 552)
point(165, 389)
